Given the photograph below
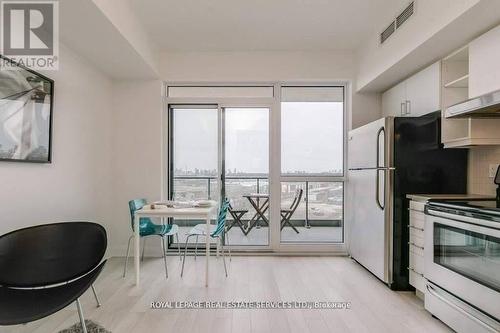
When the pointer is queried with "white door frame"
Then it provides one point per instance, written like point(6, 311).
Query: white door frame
point(275, 178)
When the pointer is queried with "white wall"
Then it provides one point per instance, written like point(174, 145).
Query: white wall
point(120, 13)
point(136, 153)
point(271, 66)
point(76, 185)
point(429, 18)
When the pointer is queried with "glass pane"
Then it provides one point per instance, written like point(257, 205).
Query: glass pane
point(312, 131)
point(318, 217)
point(246, 174)
point(474, 255)
point(195, 142)
point(195, 149)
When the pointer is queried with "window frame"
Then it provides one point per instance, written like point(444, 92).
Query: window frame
point(275, 177)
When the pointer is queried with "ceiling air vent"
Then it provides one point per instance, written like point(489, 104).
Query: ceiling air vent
point(398, 22)
point(404, 15)
point(387, 32)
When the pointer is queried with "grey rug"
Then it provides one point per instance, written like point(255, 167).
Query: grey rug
point(91, 328)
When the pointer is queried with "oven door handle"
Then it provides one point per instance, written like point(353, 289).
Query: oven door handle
point(456, 307)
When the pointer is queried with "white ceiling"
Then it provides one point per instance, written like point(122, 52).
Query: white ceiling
point(257, 25)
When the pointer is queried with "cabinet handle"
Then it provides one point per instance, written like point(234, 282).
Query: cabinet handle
point(416, 228)
point(408, 107)
point(413, 270)
point(418, 247)
point(403, 108)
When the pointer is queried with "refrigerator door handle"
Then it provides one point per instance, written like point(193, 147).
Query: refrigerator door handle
point(377, 178)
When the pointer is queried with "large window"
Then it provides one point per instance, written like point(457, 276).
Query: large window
point(312, 164)
point(312, 131)
point(275, 151)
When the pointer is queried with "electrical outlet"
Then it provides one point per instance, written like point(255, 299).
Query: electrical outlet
point(493, 170)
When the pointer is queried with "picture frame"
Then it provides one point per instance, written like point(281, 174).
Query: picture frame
point(26, 114)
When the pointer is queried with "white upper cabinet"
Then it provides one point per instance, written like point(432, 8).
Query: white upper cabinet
point(484, 63)
point(416, 96)
point(394, 101)
point(423, 91)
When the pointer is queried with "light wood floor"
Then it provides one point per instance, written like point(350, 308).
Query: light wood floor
point(125, 308)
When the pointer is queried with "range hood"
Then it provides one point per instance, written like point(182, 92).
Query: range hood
point(485, 106)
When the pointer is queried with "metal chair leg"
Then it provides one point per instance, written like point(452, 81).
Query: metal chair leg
point(164, 252)
point(226, 239)
point(185, 250)
point(196, 248)
point(95, 295)
point(80, 314)
point(223, 256)
point(126, 258)
point(143, 248)
point(178, 246)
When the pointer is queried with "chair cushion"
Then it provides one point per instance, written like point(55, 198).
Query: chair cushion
point(19, 306)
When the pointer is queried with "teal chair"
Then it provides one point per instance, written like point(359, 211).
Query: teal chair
point(216, 232)
point(148, 228)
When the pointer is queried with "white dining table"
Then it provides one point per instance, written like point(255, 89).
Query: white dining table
point(190, 213)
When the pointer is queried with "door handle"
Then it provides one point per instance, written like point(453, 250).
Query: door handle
point(377, 178)
point(449, 302)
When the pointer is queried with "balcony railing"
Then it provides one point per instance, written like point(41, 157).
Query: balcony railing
point(330, 207)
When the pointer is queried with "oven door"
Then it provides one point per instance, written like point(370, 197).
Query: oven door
point(464, 259)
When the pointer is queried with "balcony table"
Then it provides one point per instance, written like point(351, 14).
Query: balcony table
point(195, 213)
point(260, 206)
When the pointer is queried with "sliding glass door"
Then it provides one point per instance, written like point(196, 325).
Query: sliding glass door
point(218, 152)
point(194, 157)
point(245, 180)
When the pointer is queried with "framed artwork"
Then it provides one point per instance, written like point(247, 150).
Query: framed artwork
point(26, 105)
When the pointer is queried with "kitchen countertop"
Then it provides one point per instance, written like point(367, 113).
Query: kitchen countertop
point(427, 197)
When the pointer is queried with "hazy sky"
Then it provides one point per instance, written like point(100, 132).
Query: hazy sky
point(312, 138)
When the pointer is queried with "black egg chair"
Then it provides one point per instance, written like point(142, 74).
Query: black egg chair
point(47, 267)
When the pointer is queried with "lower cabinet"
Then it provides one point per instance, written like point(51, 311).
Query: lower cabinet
point(416, 246)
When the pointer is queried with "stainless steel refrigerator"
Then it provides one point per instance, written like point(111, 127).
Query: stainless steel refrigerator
point(388, 159)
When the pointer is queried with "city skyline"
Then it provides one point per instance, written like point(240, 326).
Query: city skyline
point(311, 140)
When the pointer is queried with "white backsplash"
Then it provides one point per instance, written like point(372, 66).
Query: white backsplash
point(480, 159)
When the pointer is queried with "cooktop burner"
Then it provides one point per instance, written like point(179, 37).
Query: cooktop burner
point(488, 209)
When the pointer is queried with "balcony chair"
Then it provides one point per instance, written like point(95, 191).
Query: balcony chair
point(217, 232)
point(287, 213)
point(237, 215)
point(148, 228)
point(47, 267)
